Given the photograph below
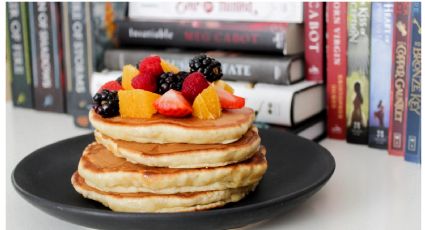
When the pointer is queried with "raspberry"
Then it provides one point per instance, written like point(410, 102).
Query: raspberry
point(151, 65)
point(193, 85)
point(111, 86)
point(145, 81)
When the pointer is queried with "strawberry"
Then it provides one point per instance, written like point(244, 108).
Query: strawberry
point(193, 85)
point(151, 65)
point(145, 81)
point(228, 100)
point(111, 86)
point(173, 104)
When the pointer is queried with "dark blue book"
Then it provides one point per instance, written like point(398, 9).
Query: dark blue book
point(380, 73)
point(413, 126)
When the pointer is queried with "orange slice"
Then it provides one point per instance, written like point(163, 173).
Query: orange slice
point(128, 73)
point(207, 104)
point(137, 103)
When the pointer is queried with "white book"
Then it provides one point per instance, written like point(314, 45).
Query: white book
point(289, 12)
point(286, 105)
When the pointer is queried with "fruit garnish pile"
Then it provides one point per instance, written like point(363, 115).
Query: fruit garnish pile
point(156, 86)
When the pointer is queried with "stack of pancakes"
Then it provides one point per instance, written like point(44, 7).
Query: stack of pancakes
point(165, 164)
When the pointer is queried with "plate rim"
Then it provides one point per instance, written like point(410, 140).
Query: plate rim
point(331, 165)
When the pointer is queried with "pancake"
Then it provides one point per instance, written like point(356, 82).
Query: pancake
point(103, 170)
point(150, 202)
point(231, 126)
point(177, 155)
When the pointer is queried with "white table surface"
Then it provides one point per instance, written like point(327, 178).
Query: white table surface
point(369, 189)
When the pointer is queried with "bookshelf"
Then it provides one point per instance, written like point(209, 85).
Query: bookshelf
point(368, 190)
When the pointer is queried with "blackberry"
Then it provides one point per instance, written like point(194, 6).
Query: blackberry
point(208, 66)
point(169, 80)
point(106, 104)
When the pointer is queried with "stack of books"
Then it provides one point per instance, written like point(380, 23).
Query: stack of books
point(374, 74)
point(260, 46)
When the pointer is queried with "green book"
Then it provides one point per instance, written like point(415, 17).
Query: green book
point(18, 53)
point(358, 59)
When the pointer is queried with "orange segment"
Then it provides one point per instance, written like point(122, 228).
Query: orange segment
point(128, 73)
point(207, 104)
point(224, 85)
point(168, 67)
point(137, 103)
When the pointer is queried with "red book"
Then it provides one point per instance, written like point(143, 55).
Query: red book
point(313, 43)
point(398, 107)
point(336, 52)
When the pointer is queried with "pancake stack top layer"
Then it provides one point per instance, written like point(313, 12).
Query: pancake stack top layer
point(186, 150)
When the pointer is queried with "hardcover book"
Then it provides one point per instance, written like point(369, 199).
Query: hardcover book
point(223, 11)
point(398, 108)
point(89, 29)
point(314, 18)
point(413, 126)
point(380, 73)
point(18, 53)
point(46, 56)
point(283, 38)
point(282, 105)
point(357, 84)
point(336, 27)
point(236, 66)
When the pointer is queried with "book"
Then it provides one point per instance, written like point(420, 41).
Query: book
point(400, 64)
point(314, 18)
point(223, 11)
point(46, 56)
point(283, 38)
point(282, 105)
point(18, 54)
point(336, 71)
point(380, 73)
point(357, 83)
point(89, 29)
point(235, 66)
point(413, 125)
point(313, 128)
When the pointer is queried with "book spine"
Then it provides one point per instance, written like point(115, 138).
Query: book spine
point(357, 84)
point(413, 126)
point(399, 78)
point(380, 73)
point(223, 11)
point(235, 66)
point(207, 35)
point(18, 54)
point(336, 68)
point(313, 43)
point(75, 25)
point(46, 57)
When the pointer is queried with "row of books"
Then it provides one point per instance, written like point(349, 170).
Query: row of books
point(263, 53)
point(52, 50)
point(374, 74)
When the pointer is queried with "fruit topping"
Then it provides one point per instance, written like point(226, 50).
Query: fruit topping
point(151, 65)
point(119, 79)
point(168, 67)
point(105, 103)
point(128, 73)
point(137, 103)
point(173, 104)
point(207, 104)
point(208, 66)
point(228, 100)
point(193, 85)
point(224, 85)
point(111, 86)
point(169, 80)
point(145, 81)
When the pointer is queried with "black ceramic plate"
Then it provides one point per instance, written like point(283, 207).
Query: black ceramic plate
point(298, 168)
